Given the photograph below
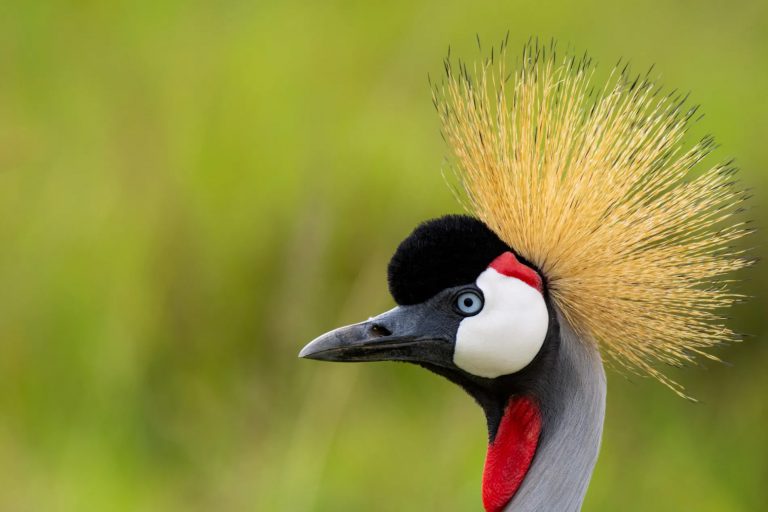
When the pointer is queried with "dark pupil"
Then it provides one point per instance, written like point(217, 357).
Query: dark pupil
point(468, 302)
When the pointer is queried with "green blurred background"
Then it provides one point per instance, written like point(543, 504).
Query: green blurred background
point(190, 191)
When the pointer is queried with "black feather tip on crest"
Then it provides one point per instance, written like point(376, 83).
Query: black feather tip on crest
point(441, 253)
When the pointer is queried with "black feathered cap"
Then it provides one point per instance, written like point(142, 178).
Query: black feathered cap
point(439, 254)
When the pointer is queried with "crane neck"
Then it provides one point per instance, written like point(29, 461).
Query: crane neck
point(572, 408)
point(544, 424)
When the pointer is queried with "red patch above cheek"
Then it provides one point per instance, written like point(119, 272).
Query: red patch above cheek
point(508, 265)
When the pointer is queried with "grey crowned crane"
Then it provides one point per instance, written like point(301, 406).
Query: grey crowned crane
point(595, 232)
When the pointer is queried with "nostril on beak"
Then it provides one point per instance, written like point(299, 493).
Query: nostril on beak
point(380, 330)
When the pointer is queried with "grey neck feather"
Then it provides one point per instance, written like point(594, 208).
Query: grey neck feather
point(573, 409)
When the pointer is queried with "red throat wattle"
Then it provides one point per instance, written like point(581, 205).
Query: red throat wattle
point(511, 452)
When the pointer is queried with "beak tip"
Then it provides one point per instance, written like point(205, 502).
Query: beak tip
point(304, 353)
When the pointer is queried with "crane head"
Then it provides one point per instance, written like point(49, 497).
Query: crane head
point(468, 307)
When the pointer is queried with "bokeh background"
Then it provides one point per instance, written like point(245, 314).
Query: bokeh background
point(190, 191)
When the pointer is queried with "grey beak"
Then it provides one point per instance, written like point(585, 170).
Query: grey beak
point(405, 333)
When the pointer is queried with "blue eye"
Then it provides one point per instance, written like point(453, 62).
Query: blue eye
point(469, 303)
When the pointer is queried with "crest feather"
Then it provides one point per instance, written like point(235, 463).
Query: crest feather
point(598, 189)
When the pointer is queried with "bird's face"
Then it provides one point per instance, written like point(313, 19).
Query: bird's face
point(468, 309)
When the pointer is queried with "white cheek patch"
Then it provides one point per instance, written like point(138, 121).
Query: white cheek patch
point(509, 331)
